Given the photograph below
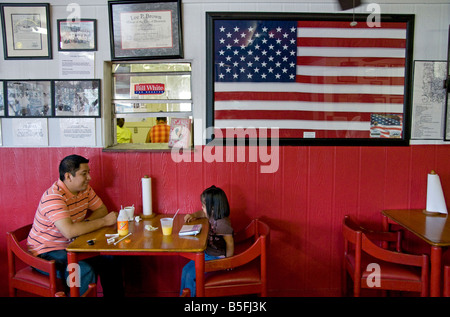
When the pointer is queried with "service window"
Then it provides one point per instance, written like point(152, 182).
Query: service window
point(150, 102)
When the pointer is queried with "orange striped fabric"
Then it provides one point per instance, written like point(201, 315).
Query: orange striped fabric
point(58, 203)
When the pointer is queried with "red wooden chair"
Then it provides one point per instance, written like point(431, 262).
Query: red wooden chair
point(91, 292)
point(398, 271)
point(245, 272)
point(25, 277)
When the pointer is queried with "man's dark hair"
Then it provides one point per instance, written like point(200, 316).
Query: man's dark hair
point(70, 164)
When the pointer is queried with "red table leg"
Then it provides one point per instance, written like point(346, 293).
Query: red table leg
point(435, 275)
point(200, 274)
point(73, 279)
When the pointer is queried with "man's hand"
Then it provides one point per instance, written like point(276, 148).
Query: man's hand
point(71, 229)
point(110, 218)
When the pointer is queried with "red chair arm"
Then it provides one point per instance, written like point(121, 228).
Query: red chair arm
point(391, 256)
point(29, 259)
point(236, 260)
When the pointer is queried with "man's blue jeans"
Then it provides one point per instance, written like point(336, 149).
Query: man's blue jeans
point(106, 266)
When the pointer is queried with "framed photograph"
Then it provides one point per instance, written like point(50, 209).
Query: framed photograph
point(26, 30)
point(78, 35)
point(304, 79)
point(2, 99)
point(145, 29)
point(77, 98)
point(428, 108)
point(29, 98)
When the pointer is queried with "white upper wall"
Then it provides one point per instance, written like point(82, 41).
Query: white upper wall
point(430, 41)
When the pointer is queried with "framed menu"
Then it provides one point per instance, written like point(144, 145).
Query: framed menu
point(428, 117)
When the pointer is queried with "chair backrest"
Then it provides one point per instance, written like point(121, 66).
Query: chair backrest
point(17, 249)
point(363, 238)
point(257, 232)
point(255, 229)
point(14, 239)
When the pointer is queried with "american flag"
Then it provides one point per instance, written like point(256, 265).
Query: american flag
point(322, 79)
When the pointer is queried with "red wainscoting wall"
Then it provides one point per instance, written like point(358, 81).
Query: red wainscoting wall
point(303, 202)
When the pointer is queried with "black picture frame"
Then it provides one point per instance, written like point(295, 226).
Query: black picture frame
point(28, 98)
point(3, 108)
point(75, 98)
point(18, 22)
point(77, 35)
point(447, 95)
point(134, 36)
point(217, 42)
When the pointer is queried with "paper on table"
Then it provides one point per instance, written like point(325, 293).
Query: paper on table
point(435, 195)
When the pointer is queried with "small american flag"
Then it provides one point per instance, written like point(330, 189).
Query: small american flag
point(323, 79)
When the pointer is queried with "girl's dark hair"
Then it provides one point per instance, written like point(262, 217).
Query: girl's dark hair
point(70, 164)
point(216, 202)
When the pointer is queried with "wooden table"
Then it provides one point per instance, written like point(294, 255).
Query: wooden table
point(144, 242)
point(434, 230)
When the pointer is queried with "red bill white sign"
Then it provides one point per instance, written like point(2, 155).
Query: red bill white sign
point(149, 89)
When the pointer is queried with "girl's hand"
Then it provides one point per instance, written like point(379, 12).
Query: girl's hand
point(188, 218)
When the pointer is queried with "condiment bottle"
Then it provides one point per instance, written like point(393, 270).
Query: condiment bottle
point(122, 223)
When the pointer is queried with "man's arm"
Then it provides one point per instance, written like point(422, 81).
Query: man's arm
point(71, 229)
point(98, 213)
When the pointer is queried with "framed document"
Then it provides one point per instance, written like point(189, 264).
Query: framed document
point(2, 100)
point(308, 78)
point(78, 35)
point(77, 98)
point(145, 29)
point(26, 30)
point(29, 98)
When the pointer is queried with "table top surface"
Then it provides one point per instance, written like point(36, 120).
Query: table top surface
point(434, 229)
point(143, 240)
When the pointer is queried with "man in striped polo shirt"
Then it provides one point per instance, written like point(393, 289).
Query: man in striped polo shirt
point(61, 216)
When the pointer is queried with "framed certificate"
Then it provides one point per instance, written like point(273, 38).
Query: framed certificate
point(26, 30)
point(145, 29)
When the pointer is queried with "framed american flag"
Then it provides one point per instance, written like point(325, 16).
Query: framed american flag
point(309, 79)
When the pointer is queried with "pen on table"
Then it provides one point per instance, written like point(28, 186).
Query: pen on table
point(122, 238)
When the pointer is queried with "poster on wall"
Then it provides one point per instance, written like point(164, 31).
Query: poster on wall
point(77, 131)
point(30, 132)
point(428, 118)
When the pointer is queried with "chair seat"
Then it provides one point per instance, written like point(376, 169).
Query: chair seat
point(30, 275)
point(388, 270)
point(246, 274)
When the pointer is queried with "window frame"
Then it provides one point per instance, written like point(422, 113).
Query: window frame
point(110, 114)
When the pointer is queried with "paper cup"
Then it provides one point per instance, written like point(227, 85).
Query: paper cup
point(130, 213)
point(166, 226)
